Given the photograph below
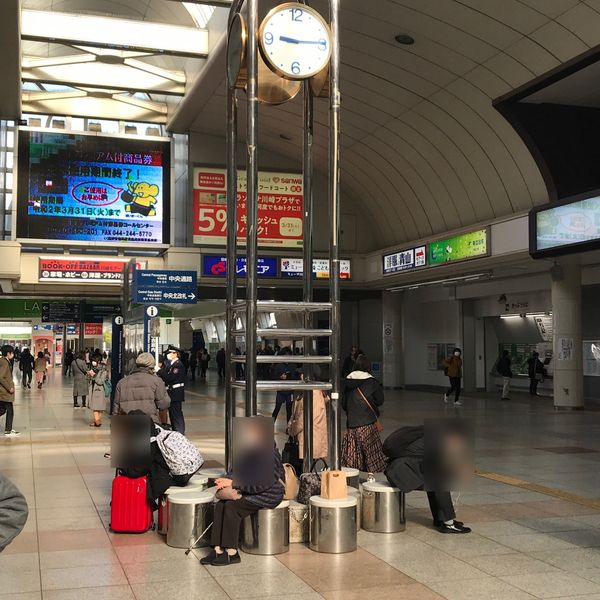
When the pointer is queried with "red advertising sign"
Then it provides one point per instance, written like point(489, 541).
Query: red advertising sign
point(280, 208)
point(89, 270)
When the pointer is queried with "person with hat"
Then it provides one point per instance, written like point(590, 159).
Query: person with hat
point(173, 374)
point(142, 390)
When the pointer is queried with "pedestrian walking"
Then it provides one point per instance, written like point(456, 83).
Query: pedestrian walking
point(504, 370)
point(7, 389)
point(40, 367)
point(453, 369)
point(98, 397)
point(80, 380)
point(26, 365)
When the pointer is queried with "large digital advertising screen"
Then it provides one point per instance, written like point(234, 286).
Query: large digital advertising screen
point(571, 226)
point(280, 208)
point(93, 188)
point(473, 244)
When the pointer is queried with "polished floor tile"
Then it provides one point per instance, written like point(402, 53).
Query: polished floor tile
point(552, 585)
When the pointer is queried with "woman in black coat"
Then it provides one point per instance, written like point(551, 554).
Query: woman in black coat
point(536, 372)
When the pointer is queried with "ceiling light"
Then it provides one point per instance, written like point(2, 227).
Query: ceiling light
point(511, 316)
point(444, 282)
point(405, 39)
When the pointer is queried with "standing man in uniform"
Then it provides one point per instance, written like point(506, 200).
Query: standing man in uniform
point(173, 374)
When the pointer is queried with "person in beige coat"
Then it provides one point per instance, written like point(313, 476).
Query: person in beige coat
point(296, 424)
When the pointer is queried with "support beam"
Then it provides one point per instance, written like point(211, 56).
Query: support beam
point(10, 59)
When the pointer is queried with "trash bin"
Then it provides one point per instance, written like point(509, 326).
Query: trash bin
point(163, 503)
point(356, 493)
point(382, 508)
point(267, 531)
point(332, 524)
point(198, 482)
point(189, 514)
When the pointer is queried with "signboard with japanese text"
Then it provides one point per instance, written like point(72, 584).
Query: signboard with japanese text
point(293, 267)
point(61, 312)
point(216, 266)
point(280, 208)
point(77, 270)
point(403, 260)
point(573, 225)
point(93, 188)
point(465, 246)
point(164, 287)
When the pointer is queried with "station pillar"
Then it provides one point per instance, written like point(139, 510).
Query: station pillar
point(393, 362)
point(568, 350)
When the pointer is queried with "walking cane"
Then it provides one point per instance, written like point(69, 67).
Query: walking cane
point(197, 540)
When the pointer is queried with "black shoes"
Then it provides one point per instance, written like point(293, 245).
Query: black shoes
point(456, 527)
point(220, 560)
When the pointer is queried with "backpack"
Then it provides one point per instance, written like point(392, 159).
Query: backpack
point(181, 456)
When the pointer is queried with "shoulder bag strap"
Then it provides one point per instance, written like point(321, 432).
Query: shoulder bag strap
point(366, 401)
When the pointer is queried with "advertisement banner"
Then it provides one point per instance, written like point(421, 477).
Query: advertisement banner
point(78, 187)
point(411, 258)
point(294, 267)
point(473, 244)
point(280, 208)
point(105, 271)
point(216, 266)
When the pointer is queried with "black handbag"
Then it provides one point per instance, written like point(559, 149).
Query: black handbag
point(291, 454)
point(310, 484)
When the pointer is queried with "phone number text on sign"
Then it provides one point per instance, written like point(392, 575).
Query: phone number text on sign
point(280, 208)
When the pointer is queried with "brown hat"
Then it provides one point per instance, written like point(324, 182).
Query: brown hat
point(145, 359)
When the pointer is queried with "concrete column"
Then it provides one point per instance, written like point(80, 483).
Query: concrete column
point(393, 363)
point(568, 362)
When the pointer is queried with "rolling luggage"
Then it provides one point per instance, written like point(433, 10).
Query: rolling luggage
point(130, 511)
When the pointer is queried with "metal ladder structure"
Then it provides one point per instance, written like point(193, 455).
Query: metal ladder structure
point(251, 306)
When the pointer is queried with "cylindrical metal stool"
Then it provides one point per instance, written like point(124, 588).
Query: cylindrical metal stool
point(267, 531)
point(189, 514)
point(197, 482)
point(212, 475)
point(332, 524)
point(355, 493)
point(163, 507)
point(382, 508)
point(352, 476)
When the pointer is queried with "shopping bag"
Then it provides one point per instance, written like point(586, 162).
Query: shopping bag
point(290, 482)
point(333, 485)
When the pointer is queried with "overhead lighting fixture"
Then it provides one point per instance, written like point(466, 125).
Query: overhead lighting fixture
point(450, 280)
point(511, 316)
point(405, 39)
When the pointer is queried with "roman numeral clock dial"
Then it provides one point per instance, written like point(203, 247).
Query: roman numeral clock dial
point(295, 41)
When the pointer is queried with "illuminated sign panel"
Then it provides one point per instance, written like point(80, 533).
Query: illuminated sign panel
point(465, 246)
point(404, 260)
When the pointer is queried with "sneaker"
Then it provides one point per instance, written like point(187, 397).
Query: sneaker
point(222, 560)
point(456, 527)
point(76, 406)
point(29, 386)
point(458, 403)
point(445, 399)
point(207, 560)
point(12, 433)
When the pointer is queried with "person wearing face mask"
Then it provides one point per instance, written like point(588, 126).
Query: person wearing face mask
point(98, 375)
point(453, 367)
point(173, 374)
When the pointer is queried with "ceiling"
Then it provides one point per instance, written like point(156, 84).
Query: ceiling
point(423, 150)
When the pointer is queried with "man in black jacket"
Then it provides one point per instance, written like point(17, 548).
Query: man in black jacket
point(504, 370)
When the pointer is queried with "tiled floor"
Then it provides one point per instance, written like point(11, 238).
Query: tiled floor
point(524, 545)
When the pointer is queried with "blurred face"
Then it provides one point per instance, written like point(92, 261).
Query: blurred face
point(10, 355)
point(457, 353)
point(171, 356)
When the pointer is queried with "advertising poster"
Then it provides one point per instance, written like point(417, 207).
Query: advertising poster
point(81, 269)
point(216, 266)
point(93, 188)
point(565, 348)
point(569, 224)
point(461, 247)
point(413, 258)
point(280, 208)
point(294, 267)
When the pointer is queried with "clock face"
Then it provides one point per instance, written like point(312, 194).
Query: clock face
point(295, 41)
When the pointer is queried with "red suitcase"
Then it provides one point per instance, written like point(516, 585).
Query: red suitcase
point(130, 511)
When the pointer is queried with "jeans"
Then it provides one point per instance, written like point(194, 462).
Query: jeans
point(454, 387)
point(281, 398)
point(505, 386)
point(176, 416)
point(27, 375)
point(7, 407)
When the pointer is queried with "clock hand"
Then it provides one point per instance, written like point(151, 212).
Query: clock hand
point(290, 40)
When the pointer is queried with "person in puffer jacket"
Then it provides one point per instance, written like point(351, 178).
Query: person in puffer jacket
point(13, 511)
point(255, 482)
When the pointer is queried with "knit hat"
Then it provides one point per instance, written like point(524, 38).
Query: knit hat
point(145, 359)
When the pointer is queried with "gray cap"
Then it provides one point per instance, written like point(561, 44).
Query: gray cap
point(145, 359)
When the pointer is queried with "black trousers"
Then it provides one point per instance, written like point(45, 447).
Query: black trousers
point(227, 521)
point(221, 370)
point(7, 407)
point(280, 399)
point(533, 385)
point(203, 368)
point(27, 375)
point(176, 417)
point(441, 506)
point(454, 387)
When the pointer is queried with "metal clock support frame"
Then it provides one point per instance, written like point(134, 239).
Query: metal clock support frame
point(251, 306)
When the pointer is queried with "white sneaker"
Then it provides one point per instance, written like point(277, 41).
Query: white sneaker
point(445, 399)
point(458, 403)
point(12, 433)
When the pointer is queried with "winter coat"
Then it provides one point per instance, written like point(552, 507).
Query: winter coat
point(26, 362)
point(7, 385)
point(358, 413)
point(141, 390)
point(40, 365)
point(503, 366)
point(406, 449)
point(13, 511)
point(454, 366)
point(296, 425)
point(97, 398)
point(80, 377)
point(535, 367)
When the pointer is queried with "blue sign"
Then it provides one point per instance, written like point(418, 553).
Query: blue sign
point(216, 266)
point(165, 279)
point(162, 296)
